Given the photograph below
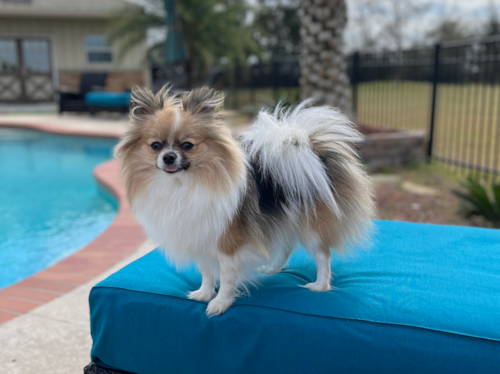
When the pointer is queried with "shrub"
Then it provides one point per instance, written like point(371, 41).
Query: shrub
point(480, 199)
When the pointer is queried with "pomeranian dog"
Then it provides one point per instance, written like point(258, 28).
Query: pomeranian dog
point(238, 207)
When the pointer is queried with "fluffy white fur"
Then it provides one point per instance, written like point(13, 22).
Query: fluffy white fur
point(186, 219)
point(281, 140)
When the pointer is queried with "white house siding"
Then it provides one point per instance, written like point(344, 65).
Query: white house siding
point(68, 50)
point(68, 42)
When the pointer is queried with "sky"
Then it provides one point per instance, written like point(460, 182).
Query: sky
point(471, 10)
point(471, 13)
point(475, 6)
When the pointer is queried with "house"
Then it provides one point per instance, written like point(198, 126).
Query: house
point(45, 46)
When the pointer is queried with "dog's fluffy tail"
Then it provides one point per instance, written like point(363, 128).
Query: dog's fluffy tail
point(285, 144)
point(309, 153)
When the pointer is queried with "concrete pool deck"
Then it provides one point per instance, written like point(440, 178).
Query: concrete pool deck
point(55, 337)
point(44, 319)
point(68, 124)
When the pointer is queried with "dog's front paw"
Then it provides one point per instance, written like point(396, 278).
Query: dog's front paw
point(218, 306)
point(318, 287)
point(201, 295)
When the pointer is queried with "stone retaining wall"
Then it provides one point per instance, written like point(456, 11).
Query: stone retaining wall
point(393, 149)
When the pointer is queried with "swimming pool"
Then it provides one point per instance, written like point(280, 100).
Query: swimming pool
point(50, 204)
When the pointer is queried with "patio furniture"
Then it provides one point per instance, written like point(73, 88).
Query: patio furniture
point(423, 299)
point(108, 101)
point(75, 102)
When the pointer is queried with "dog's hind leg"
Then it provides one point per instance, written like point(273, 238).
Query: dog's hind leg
point(280, 261)
point(322, 256)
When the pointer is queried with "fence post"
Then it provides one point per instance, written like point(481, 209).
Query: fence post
point(252, 86)
point(274, 72)
point(354, 82)
point(435, 81)
point(235, 77)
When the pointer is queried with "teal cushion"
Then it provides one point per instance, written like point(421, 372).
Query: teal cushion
point(108, 99)
point(425, 298)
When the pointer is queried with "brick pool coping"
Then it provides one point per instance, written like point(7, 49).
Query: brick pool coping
point(120, 239)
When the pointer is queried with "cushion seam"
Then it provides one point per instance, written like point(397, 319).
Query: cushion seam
point(306, 314)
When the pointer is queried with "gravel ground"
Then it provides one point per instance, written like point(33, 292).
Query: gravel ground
point(394, 202)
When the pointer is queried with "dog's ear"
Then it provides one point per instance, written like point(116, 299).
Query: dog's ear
point(203, 101)
point(145, 103)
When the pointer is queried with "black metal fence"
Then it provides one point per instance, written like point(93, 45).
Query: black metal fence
point(262, 83)
point(246, 85)
point(452, 91)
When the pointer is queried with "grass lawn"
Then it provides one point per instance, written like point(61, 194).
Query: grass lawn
point(467, 127)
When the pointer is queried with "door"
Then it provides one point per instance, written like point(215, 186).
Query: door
point(25, 70)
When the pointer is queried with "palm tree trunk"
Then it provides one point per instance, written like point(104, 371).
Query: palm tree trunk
point(323, 66)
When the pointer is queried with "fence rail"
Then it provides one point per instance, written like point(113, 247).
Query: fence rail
point(451, 90)
point(245, 84)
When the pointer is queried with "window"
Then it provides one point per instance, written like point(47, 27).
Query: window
point(97, 49)
point(8, 56)
point(36, 55)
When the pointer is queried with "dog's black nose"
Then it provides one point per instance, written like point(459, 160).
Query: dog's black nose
point(169, 158)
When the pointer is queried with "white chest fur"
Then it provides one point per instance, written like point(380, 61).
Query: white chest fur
point(183, 217)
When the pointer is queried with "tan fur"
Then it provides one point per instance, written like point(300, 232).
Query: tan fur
point(240, 234)
point(353, 192)
point(234, 238)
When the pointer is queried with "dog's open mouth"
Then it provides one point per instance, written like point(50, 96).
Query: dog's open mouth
point(171, 170)
point(175, 169)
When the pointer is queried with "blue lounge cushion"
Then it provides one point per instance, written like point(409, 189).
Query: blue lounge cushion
point(425, 298)
point(108, 99)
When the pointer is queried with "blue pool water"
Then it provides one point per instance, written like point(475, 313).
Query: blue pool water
point(50, 203)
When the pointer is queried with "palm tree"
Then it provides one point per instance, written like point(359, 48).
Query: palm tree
point(212, 29)
point(323, 67)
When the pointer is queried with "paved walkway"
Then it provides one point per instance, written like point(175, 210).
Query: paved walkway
point(54, 338)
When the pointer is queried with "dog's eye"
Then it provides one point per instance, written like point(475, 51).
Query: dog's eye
point(156, 146)
point(187, 146)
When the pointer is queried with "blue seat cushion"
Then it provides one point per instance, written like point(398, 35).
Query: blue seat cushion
point(108, 99)
point(424, 299)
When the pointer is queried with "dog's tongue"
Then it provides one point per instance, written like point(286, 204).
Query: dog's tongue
point(171, 169)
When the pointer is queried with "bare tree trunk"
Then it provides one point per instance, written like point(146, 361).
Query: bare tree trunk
point(324, 69)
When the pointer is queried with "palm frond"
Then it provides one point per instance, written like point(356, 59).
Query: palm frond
point(212, 29)
point(129, 27)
